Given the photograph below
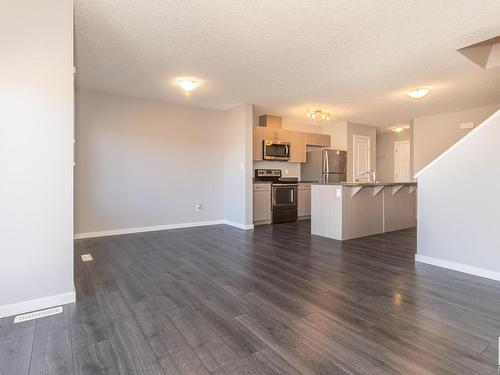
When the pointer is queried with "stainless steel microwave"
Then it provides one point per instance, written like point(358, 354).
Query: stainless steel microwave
point(276, 151)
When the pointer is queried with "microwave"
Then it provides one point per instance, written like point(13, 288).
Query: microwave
point(276, 151)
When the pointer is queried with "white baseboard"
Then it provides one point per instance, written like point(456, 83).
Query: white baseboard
point(238, 225)
point(458, 267)
point(116, 232)
point(37, 304)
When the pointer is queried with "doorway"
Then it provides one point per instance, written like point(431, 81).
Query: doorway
point(402, 161)
point(361, 159)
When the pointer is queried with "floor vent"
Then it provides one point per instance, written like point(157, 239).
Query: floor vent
point(87, 257)
point(38, 314)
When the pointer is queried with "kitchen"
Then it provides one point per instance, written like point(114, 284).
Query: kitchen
point(298, 175)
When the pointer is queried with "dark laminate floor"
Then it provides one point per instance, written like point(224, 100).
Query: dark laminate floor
point(271, 301)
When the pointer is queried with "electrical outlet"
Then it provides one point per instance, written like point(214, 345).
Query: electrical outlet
point(198, 207)
point(286, 171)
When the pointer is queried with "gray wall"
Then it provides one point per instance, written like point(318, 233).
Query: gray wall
point(36, 154)
point(432, 135)
point(459, 202)
point(365, 130)
point(144, 163)
point(238, 166)
point(385, 153)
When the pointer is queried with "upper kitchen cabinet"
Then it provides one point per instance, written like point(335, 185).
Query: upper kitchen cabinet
point(297, 147)
point(257, 143)
point(270, 122)
point(319, 140)
point(270, 129)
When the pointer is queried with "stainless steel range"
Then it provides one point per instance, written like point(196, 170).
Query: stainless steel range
point(284, 194)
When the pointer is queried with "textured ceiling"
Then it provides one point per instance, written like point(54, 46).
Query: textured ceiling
point(357, 58)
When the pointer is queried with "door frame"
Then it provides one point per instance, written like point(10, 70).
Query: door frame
point(355, 157)
point(394, 161)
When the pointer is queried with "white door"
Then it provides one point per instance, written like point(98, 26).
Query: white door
point(402, 161)
point(361, 160)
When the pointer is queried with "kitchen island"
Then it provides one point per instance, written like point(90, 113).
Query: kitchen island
point(347, 210)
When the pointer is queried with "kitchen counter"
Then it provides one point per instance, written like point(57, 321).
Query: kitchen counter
point(347, 210)
point(365, 183)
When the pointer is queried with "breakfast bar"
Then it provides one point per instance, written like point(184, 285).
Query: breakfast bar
point(348, 210)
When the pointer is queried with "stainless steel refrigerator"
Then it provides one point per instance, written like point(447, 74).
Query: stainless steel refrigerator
point(324, 166)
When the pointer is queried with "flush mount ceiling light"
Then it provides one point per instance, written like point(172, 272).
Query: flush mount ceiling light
point(318, 114)
point(399, 129)
point(419, 93)
point(187, 84)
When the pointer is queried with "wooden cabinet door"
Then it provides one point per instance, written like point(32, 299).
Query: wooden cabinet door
point(257, 143)
point(262, 205)
point(304, 201)
point(271, 134)
point(318, 140)
point(300, 147)
point(324, 140)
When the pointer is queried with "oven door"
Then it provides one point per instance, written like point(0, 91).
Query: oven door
point(276, 151)
point(284, 196)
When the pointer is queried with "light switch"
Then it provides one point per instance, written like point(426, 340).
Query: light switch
point(466, 125)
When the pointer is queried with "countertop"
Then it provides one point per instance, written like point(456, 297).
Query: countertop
point(299, 182)
point(365, 183)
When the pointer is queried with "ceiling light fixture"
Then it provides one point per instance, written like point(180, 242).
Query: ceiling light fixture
point(400, 128)
point(187, 84)
point(318, 114)
point(419, 93)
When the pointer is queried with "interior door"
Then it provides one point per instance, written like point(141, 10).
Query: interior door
point(402, 161)
point(361, 160)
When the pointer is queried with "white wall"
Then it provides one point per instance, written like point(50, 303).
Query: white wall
point(385, 153)
point(238, 204)
point(36, 155)
point(459, 202)
point(365, 130)
point(144, 163)
point(432, 135)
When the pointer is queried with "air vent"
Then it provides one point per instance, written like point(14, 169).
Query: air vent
point(38, 314)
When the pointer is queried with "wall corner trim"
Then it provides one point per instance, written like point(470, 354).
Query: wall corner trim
point(471, 270)
point(37, 304)
point(238, 225)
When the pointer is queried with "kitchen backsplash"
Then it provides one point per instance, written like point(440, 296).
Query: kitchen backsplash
point(287, 169)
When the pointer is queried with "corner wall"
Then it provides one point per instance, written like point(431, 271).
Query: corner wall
point(36, 155)
point(458, 205)
point(433, 135)
point(238, 166)
point(145, 164)
point(385, 154)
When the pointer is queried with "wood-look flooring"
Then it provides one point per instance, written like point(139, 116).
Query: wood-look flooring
point(276, 300)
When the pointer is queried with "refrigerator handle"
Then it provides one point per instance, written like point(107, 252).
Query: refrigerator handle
point(327, 164)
